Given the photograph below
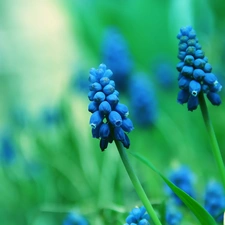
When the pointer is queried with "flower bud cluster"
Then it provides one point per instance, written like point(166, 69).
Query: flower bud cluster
point(195, 72)
point(214, 200)
point(138, 216)
point(109, 117)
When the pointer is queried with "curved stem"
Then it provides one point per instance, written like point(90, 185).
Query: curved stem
point(136, 183)
point(212, 137)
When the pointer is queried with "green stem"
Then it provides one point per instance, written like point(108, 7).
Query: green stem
point(212, 137)
point(137, 185)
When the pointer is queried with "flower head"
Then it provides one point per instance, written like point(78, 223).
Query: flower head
point(183, 178)
point(138, 216)
point(143, 100)
point(109, 117)
point(116, 56)
point(214, 200)
point(195, 73)
point(75, 219)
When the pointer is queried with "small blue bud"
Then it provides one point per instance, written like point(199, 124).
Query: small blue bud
point(183, 46)
point(92, 78)
point(95, 86)
point(108, 73)
point(105, 107)
point(126, 141)
point(199, 54)
point(92, 72)
point(189, 60)
point(192, 34)
point(119, 134)
point(205, 88)
point(112, 99)
point(115, 119)
point(127, 125)
point(179, 76)
point(183, 39)
point(180, 66)
point(190, 50)
point(183, 96)
point(104, 130)
point(99, 97)
point(194, 88)
point(104, 143)
point(104, 81)
point(214, 98)
point(179, 35)
point(205, 59)
point(122, 110)
point(95, 131)
point(217, 87)
point(184, 82)
point(108, 89)
point(198, 74)
point(91, 95)
point(185, 30)
point(102, 66)
point(192, 103)
point(92, 107)
point(207, 68)
point(116, 93)
point(199, 63)
point(198, 46)
point(95, 119)
point(191, 42)
point(210, 78)
point(187, 71)
point(112, 82)
point(181, 55)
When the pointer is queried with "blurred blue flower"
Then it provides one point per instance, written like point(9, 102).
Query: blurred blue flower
point(173, 216)
point(51, 116)
point(214, 200)
point(138, 216)
point(75, 219)
point(7, 149)
point(195, 73)
point(164, 72)
point(183, 178)
point(143, 100)
point(116, 55)
point(109, 117)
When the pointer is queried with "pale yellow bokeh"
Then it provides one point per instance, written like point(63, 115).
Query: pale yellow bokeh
point(38, 52)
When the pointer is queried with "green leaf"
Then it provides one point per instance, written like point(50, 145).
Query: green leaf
point(202, 215)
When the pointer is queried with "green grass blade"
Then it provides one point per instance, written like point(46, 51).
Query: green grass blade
point(202, 215)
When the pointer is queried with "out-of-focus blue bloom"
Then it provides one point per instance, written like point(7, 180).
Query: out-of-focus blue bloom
point(138, 216)
point(173, 216)
point(51, 116)
point(116, 56)
point(195, 71)
point(142, 100)
point(183, 178)
point(214, 200)
point(7, 149)
point(163, 71)
point(74, 219)
point(109, 117)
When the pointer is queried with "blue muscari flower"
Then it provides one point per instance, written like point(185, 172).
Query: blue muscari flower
point(116, 56)
point(183, 178)
point(74, 219)
point(173, 216)
point(194, 67)
point(7, 154)
point(214, 200)
point(143, 100)
point(138, 216)
point(109, 117)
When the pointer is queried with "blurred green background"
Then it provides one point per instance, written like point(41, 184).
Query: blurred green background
point(50, 164)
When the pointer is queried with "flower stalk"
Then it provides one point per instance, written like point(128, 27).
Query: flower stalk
point(136, 183)
point(212, 137)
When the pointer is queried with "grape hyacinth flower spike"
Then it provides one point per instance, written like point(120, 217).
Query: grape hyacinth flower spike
point(195, 72)
point(109, 119)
